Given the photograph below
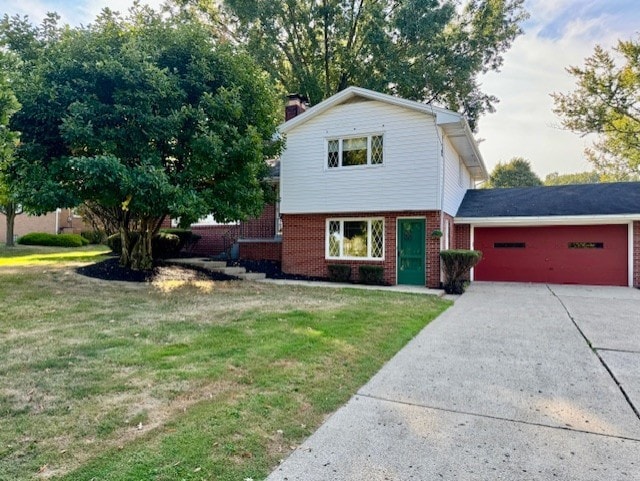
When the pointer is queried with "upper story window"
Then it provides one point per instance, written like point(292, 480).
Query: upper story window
point(354, 151)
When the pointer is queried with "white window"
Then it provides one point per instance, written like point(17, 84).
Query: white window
point(355, 239)
point(354, 151)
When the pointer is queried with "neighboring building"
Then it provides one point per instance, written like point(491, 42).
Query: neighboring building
point(61, 221)
point(366, 178)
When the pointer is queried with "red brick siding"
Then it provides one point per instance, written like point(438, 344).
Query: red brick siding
point(212, 239)
point(257, 250)
point(216, 238)
point(461, 236)
point(433, 249)
point(262, 227)
point(303, 246)
point(636, 254)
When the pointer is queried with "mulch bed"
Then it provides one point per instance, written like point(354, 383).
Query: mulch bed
point(110, 270)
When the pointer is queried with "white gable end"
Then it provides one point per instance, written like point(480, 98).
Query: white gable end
point(407, 178)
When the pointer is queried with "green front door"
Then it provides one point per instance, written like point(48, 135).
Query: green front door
point(411, 251)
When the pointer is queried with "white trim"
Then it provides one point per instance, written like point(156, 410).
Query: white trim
point(472, 240)
point(548, 220)
point(342, 220)
point(341, 139)
point(630, 255)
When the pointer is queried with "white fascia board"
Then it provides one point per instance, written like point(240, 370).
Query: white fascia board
point(350, 92)
point(547, 220)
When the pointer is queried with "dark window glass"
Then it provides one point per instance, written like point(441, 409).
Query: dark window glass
point(586, 245)
point(354, 151)
point(509, 245)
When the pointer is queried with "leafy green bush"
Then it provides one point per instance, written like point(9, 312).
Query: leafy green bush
point(57, 240)
point(456, 264)
point(94, 236)
point(339, 272)
point(373, 275)
point(187, 238)
point(163, 244)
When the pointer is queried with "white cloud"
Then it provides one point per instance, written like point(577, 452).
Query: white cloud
point(524, 124)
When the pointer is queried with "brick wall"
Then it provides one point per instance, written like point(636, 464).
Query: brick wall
point(261, 250)
point(216, 238)
point(636, 254)
point(24, 224)
point(461, 236)
point(303, 246)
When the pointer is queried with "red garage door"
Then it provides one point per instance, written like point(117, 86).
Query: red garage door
point(595, 255)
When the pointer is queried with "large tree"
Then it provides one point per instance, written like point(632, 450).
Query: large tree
point(515, 173)
point(8, 142)
point(142, 116)
point(606, 102)
point(426, 50)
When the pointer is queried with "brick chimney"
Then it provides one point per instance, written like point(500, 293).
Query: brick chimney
point(296, 104)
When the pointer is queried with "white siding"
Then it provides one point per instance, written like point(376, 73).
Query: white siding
point(407, 180)
point(457, 179)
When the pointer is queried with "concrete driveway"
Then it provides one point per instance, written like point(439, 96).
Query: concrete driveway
point(502, 386)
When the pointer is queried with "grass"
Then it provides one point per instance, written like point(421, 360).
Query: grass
point(189, 380)
point(20, 255)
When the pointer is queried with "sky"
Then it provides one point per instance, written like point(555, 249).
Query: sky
point(558, 34)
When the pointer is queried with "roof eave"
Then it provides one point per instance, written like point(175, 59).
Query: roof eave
point(548, 220)
point(460, 135)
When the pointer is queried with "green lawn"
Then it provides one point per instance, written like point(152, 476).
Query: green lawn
point(180, 380)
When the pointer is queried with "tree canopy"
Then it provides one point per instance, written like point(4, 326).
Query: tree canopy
point(8, 142)
point(590, 177)
point(425, 50)
point(515, 173)
point(141, 116)
point(606, 102)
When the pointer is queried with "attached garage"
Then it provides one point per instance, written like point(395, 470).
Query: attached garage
point(573, 234)
point(587, 254)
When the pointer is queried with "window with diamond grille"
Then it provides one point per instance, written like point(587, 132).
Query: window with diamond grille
point(377, 238)
point(355, 238)
point(355, 151)
point(333, 159)
point(376, 149)
point(334, 238)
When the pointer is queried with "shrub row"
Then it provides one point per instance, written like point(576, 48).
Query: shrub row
point(373, 275)
point(166, 243)
point(57, 240)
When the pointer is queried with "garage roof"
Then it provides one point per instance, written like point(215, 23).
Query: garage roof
point(563, 200)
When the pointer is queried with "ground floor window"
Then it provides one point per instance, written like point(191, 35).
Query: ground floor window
point(355, 239)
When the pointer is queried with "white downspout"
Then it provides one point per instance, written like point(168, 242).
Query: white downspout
point(58, 220)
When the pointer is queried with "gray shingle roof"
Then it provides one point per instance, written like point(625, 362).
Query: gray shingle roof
point(563, 200)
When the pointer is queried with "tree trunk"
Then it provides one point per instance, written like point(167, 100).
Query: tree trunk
point(11, 219)
point(141, 255)
point(125, 252)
